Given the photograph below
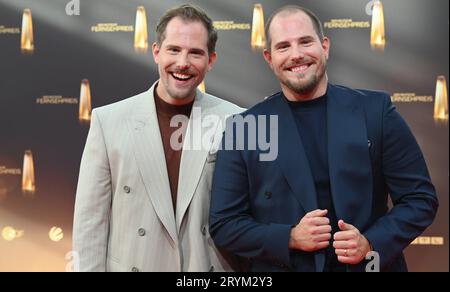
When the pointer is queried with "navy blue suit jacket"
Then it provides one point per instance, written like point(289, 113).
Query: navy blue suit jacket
point(372, 154)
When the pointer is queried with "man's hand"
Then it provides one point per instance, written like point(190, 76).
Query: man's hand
point(350, 245)
point(312, 233)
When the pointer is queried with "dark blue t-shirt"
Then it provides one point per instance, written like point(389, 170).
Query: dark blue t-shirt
point(311, 119)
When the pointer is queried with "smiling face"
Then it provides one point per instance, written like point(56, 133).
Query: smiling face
point(297, 56)
point(183, 60)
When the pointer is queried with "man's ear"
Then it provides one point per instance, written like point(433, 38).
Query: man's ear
point(326, 47)
point(155, 51)
point(268, 57)
point(212, 60)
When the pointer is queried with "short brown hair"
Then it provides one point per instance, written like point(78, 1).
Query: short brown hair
point(317, 24)
point(187, 13)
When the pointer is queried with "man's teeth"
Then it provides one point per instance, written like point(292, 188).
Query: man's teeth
point(300, 68)
point(181, 76)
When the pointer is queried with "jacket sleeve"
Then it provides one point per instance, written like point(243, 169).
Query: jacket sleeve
point(409, 184)
point(93, 202)
point(231, 223)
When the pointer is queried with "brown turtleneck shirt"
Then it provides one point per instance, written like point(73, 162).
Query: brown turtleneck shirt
point(166, 112)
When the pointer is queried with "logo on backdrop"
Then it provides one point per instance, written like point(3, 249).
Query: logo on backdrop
point(231, 25)
point(345, 24)
point(411, 97)
point(111, 27)
point(9, 171)
point(9, 30)
point(56, 99)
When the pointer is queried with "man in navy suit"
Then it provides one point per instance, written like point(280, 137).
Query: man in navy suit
point(321, 204)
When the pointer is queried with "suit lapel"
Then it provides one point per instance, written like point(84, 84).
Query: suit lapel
point(196, 145)
point(150, 158)
point(348, 157)
point(294, 164)
point(292, 157)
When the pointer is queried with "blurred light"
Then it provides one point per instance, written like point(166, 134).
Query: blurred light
point(55, 234)
point(9, 233)
point(377, 36)
point(26, 38)
point(202, 86)
point(441, 100)
point(140, 31)
point(85, 102)
point(28, 182)
point(258, 34)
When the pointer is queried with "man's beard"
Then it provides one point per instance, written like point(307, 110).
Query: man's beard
point(303, 88)
point(307, 85)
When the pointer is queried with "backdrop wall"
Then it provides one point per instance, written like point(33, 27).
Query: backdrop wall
point(40, 91)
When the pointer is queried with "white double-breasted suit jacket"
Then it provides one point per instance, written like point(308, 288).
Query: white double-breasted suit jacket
point(124, 217)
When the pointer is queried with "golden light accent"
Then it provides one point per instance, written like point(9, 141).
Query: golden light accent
point(55, 234)
point(26, 38)
point(140, 31)
point(28, 182)
point(377, 35)
point(85, 108)
point(441, 100)
point(9, 233)
point(258, 34)
point(202, 86)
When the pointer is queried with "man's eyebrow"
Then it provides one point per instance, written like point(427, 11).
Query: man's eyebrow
point(197, 51)
point(279, 44)
point(172, 47)
point(301, 39)
point(306, 38)
point(193, 50)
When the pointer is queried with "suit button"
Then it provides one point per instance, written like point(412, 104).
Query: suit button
point(141, 231)
point(204, 230)
point(268, 195)
point(127, 189)
point(135, 270)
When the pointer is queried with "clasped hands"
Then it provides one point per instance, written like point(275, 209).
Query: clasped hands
point(313, 233)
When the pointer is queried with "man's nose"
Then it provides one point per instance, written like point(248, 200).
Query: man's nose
point(183, 62)
point(297, 53)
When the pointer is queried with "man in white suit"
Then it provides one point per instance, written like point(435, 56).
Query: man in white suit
point(142, 200)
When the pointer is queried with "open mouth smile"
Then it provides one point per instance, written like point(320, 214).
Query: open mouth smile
point(299, 68)
point(181, 76)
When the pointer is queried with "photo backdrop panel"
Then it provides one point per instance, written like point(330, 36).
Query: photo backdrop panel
point(56, 65)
